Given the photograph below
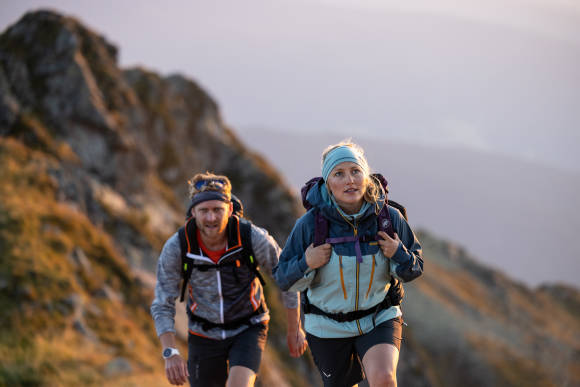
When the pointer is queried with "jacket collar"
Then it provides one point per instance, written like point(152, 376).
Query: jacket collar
point(233, 236)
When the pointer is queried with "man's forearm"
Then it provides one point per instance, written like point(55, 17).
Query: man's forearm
point(295, 338)
point(167, 340)
point(293, 318)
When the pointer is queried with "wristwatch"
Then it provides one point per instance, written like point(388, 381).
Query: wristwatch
point(168, 352)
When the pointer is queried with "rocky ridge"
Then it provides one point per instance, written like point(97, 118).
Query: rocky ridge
point(95, 162)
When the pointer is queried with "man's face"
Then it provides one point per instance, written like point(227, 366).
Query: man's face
point(211, 217)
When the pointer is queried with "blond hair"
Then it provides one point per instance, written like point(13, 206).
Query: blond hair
point(213, 184)
point(373, 188)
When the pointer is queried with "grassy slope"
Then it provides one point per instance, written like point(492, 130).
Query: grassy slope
point(480, 327)
point(80, 317)
point(70, 305)
point(73, 314)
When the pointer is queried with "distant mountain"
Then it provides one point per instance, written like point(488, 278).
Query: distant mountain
point(93, 164)
point(520, 217)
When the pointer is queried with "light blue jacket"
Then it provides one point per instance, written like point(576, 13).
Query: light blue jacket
point(343, 285)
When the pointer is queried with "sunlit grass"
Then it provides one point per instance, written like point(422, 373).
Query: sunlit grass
point(64, 320)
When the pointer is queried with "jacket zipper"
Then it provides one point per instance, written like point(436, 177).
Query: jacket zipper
point(355, 228)
point(219, 289)
point(219, 286)
point(357, 282)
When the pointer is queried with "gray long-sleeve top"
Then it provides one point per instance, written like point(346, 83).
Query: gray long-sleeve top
point(266, 253)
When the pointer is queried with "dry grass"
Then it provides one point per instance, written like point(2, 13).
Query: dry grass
point(63, 321)
point(511, 368)
point(79, 308)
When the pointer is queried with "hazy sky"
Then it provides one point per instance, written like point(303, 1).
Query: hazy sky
point(502, 76)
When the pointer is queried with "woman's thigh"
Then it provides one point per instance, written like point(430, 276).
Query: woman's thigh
point(381, 359)
point(379, 350)
point(336, 360)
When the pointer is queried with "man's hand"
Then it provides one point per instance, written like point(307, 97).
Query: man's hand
point(175, 367)
point(296, 342)
point(176, 370)
point(388, 245)
point(295, 338)
point(318, 256)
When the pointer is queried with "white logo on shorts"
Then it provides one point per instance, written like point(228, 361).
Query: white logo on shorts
point(327, 375)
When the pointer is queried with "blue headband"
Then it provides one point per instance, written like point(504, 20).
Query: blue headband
point(204, 196)
point(340, 155)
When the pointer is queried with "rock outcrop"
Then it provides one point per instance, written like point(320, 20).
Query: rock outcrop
point(94, 168)
point(134, 137)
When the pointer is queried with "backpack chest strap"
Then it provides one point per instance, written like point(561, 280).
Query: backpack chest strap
point(347, 239)
point(356, 240)
point(321, 226)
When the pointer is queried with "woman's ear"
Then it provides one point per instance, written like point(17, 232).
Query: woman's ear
point(231, 211)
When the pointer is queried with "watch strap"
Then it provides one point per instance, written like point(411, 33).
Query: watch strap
point(169, 352)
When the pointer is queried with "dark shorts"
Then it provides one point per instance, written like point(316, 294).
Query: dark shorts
point(209, 360)
point(340, 360)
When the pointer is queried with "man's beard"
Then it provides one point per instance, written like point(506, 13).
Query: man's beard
point(211, 230)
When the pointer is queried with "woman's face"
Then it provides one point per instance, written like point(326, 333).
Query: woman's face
point(347, 184)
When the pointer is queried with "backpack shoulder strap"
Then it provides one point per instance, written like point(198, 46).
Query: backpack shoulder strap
point(246, 236)
point(320, 228)
point(182, 241)
point(248, 251)
point(320, 222)
point(384, 221)
point(186, 263)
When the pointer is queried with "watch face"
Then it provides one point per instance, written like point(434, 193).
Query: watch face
point(167, 352)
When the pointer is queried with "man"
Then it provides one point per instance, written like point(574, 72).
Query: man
point(228, 316)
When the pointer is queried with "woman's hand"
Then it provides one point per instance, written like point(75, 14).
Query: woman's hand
point(388, 245)
point(318, 256)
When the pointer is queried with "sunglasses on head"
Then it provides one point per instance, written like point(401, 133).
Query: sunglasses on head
point(218, 183)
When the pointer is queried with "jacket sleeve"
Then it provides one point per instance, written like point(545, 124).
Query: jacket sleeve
point(167, 286)
point(407, 262)
point(292, 272)
point(267, 251)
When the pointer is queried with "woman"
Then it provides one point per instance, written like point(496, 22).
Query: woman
point(347, 318)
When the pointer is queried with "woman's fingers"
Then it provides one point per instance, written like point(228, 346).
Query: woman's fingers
point(318, 256)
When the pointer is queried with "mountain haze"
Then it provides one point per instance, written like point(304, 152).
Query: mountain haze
point(518, 216)
point(93, 168)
